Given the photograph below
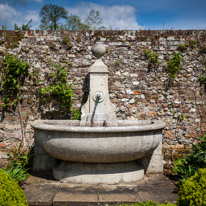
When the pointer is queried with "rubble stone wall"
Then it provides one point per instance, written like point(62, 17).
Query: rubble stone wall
point(137, 88)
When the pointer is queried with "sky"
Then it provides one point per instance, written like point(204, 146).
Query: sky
point(116, 14)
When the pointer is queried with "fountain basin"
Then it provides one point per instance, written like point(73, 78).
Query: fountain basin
point(66, 140)
point(112, 154)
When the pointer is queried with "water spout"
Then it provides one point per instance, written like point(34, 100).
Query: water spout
point(97, 101)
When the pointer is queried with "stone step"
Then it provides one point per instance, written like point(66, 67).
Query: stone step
point(52, 193)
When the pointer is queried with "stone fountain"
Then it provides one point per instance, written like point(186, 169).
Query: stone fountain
point(100, 148)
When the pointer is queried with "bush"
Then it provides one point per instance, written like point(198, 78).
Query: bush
point(189, 165)
point(173, 66)
point(11, 193)
point(193, 191)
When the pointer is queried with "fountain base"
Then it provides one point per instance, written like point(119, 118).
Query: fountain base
point(95, 173)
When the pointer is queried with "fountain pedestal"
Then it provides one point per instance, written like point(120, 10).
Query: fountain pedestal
point(95, 173)
point(98, 107)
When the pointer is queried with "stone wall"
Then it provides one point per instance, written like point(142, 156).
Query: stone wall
point(137, 89)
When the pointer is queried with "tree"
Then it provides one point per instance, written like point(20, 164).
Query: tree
point(94, 21)
point(3, 27)
point(51, 15)
point(75, 23)
point(24, 26)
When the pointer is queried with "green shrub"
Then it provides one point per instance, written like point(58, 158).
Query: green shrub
point(203, 78)
point(13, 75)
point(153, 57)
point(188, 165)
point(183, 47)
point(67, 42)
point(149, 203)
point(191, 44)
point(193, 191)
point(76, 114)
point(10, 192)
point(173, 66)
point(58, 88)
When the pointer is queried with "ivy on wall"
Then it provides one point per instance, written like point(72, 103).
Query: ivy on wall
point(59, 89)
point(173, 66)
point(152, 56)
point(13, 75)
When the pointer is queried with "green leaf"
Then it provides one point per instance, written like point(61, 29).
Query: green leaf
point(52, 74)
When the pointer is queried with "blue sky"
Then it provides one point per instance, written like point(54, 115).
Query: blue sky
point(116, 14)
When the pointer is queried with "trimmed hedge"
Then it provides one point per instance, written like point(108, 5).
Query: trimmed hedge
point(193, 191)
point(11, 193)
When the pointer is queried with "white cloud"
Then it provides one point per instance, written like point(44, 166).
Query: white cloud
point(115, 17)
point(34, 15)
point(9, 16)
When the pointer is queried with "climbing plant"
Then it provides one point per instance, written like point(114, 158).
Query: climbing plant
point(190, 44)
point(13, 75)
point(203, 78)
point(153, 58)
point(173, 66)
point(58, 88)
point(67, 42)
point(203, 75)
point(183, 47)
point(12, 80)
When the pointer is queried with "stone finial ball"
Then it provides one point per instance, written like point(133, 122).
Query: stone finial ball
point(98, 50)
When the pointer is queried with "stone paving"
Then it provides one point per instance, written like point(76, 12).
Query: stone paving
point(41, 191)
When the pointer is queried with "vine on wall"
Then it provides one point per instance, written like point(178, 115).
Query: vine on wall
point(12, 80)
point(13, 76)
point(203, 76)
point(60, 90)
point(15, 73)
point(173, 66)
point(153, 58)
point(57, 88)
point(190, 44)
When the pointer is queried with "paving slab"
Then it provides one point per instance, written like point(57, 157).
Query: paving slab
point(69, 194)
point(40, 194)
point(159, 195)
point(115, 195)
point(157, 188)
point(157, 179)
point(42, 191)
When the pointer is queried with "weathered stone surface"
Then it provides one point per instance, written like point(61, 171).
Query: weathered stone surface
point(41, 191)
point(41, 195)
point(71, 194)
point(159, 190)
point(85, 161)
point(118, 194)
